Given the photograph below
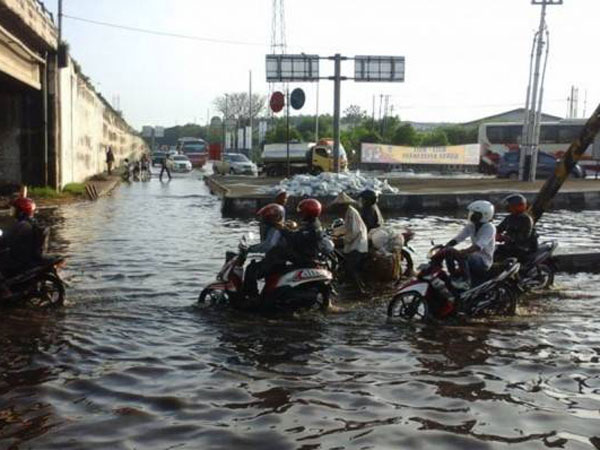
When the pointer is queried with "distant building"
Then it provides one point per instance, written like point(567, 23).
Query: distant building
point(515, 115)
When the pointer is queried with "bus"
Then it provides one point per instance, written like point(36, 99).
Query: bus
point(195, 149)
point(497, 138)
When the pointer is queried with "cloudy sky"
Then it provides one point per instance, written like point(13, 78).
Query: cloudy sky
point(465, 59)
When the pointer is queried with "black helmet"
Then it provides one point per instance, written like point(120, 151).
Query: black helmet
point(369, 196)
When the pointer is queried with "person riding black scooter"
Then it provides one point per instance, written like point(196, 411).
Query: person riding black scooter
point(369, 211)
point(22, 245)
point(517, 231)
point(304, 243)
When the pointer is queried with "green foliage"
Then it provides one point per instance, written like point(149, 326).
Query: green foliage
point(74, 189)
point(43, 192)
point(405, 134)
point(279, 134)
point(434, 138)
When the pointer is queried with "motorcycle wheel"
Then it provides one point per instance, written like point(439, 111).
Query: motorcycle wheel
point(49, 292)
point(409, 306)
point(323, 301)
point(407, 264)
point(213, 297)
point(543, 280)
point(503, 300)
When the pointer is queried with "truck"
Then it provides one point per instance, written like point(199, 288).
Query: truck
point(195, 149)
point(305, 157)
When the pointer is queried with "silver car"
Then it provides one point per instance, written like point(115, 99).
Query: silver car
point(235, 164)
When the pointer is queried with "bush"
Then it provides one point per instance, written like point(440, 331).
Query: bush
point(43, 192)
point(74, 189)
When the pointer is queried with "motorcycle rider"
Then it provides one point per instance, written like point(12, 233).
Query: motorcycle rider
point(369, 211)
point(516, 231)
point(304, 242)
point(479, 256)
point(22, 246)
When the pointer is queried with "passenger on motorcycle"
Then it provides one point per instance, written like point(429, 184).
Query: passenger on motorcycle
point(517, 231)
point(479, 256)
point(369, 211)
point(22, 246)
point(304, 243)
point(272, 244)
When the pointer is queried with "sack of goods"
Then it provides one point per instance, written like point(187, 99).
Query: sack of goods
point(386, 241)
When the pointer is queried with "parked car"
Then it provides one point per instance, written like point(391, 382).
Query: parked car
point(180, 164)
point(157, 158)
point(235, 164)
point(508, 167)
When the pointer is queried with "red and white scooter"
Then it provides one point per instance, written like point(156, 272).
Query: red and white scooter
point(291, 289)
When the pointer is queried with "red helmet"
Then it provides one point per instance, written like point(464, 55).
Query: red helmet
point(310, 208)
point(516, 203)
point(24, 206)
point(272, 213)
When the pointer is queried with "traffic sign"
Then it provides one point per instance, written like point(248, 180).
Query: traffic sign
point(297, 98)
point(277, 101)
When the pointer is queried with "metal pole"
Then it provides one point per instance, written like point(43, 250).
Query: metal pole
point(317, 116)
point(60, 17)
point(337, 85)
point(287, 133)
point(45, 116)
point(224, 128)
point(533, 144)
point(250, 114)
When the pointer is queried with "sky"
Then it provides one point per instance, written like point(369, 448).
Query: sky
point(465, 59)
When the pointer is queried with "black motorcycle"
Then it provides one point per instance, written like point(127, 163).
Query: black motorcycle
point(40, 286)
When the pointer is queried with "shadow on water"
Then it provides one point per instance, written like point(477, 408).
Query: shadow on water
point(131, 363)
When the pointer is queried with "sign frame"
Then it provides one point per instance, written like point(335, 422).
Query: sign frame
point(292, 67)
point(370, 68)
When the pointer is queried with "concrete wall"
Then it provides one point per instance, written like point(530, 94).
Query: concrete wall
point(10, 138)
point(88, 126)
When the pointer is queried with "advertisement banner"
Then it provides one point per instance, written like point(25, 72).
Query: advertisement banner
point(394, 154)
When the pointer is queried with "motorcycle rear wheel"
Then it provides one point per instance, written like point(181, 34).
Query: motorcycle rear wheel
point(410, 306)
point(544, 279)
point(49, 292)
point(504, 301)
point(407, 265)
point(213, 297)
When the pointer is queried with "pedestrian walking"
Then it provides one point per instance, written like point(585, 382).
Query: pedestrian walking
point(110, 159)
point(164, 167)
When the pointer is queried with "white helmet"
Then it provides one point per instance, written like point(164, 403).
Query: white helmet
point(483, 207)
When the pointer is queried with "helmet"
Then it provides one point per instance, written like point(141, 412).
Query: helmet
point(272, 213)
point(24, 206)
point(480, 211)
point(369, 196)
point(310, 208)
point(515, 203)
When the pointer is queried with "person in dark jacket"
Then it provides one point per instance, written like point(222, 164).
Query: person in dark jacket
point(22, 246)
point(517, 230)
point(369, 211)
point(303, 244)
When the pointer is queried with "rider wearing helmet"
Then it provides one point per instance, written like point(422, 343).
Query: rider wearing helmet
point(304, 243)
point(479, 256)
point(21, 247)
point(369, 211)
point(517, 230)
point(272, 245)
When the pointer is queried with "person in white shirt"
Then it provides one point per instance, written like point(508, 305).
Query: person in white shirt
point(479, 256)
point(355, 238)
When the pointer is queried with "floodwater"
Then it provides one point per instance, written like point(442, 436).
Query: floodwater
point(131, 363)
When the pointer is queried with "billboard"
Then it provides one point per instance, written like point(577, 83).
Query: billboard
point(292, 67)
point(379, 68)
point(394, 154)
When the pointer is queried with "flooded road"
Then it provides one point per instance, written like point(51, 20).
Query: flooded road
point(130, 362)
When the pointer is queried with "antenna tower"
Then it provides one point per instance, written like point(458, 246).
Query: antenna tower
point(278, 40)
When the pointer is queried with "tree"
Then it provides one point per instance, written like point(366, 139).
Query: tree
point(236, 106)
point(434, 138)
point(279, 133)
point(405, 134)
point(353, 115)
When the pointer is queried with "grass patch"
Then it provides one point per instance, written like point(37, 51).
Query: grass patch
point(74, 189)
point(43, 192)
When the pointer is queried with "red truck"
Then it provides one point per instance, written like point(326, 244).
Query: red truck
point(195, 149)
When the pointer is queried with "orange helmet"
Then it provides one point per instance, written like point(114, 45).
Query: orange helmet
point(24, 206)
point(272, 213)
point(516, 203)
point(310, 208)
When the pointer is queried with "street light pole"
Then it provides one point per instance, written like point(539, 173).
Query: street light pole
point(337, 86)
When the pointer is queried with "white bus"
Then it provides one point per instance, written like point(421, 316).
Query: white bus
point(497, 138)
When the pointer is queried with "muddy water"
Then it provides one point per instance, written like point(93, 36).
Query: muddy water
point(131, 363)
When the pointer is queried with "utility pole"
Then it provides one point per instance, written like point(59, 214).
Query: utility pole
point(337, 86)
point(250, 113)
point(317, 116)
point(533, 107)
point(60, 17)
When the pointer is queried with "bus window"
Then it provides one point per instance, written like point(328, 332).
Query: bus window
point(495, 134)
point(549, 134)
point(567, 134)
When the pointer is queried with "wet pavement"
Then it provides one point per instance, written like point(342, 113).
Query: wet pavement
point(130, 362)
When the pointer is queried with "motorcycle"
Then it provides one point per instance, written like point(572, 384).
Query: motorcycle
point(537, 273)
point(427, 296)
point(41, 286)
point(289, 289)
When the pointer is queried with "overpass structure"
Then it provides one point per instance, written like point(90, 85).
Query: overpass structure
point(54, 126)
